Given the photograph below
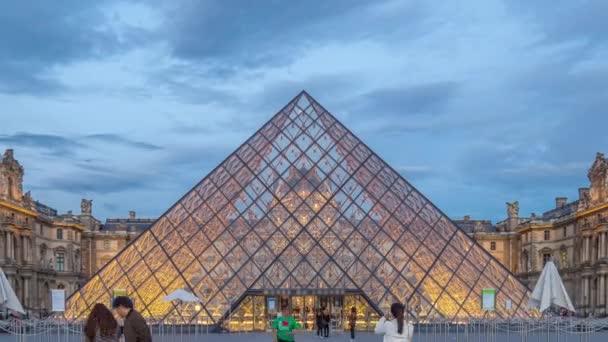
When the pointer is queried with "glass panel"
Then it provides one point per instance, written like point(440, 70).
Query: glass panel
point(236, 258)
point(415, 201)
point(177, 214)
point(434, 242)
point(155, 258)
point(249, 273)
point(371, 257)
point(161, 228)
point(303, 273)
point(145, 242)
point(291, 258)
point(210, 258)
point(468, 273)
point(304, 243)
point(419, 228)
point(317, 257)
point(172, 242)
point(192, 201)
point(359, 273)
point(397, 257)
point(383, 243)
point(330, 242)
point(429, 214)
point(187, 228)
point(404, 214)
point(331, 273)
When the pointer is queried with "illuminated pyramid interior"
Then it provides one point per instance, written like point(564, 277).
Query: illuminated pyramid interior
point(303, 214)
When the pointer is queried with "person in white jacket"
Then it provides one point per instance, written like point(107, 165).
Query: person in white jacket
point(396, 329)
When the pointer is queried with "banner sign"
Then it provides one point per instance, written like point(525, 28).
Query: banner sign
point(488, 299)
point(57, 300)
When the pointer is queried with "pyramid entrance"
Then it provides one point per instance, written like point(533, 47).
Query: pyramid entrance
point(303, 205)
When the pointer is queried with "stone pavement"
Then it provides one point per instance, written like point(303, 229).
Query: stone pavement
point(344, 337)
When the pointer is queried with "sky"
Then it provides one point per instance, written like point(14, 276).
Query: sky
point(131, 103)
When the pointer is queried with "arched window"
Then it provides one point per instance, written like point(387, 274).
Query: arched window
point(524, 260)
point(546, 257)
point(547, 235)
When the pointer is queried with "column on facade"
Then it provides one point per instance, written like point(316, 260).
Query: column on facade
point(605, 276)
point(9, 245)
point(603, 245)
point(25, 249)
point(600, 292)
point(26, 292)
point(586, 291)
point(587, 248)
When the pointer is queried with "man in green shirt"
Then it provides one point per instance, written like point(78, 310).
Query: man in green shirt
point(284, 325)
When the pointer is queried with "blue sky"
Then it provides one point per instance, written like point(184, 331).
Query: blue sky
point(476, 103)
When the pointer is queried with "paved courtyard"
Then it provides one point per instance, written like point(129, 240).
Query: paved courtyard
point(362, 337)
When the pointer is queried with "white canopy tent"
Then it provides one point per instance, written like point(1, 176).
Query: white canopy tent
point(8, 298)
point(182, 296)
point(550, 290)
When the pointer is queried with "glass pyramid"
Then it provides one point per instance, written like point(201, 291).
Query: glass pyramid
point(303, 204)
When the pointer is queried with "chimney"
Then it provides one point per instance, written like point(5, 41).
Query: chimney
point(8, 154)
point(560, 202)
point(583, 193)
point(131, 215)
point(467, 217)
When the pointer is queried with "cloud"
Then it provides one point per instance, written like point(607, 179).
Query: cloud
point(97, 183)
point(566, 21)
point(398, 102)
point(108, 138)
point(53, 144)
point(37, 36)
point(416, 172)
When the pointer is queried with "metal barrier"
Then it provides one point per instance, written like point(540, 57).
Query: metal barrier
point(544, 330)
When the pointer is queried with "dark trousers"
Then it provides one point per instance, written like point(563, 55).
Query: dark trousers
point(326, 330)
point(319, 329)
point(352, 332)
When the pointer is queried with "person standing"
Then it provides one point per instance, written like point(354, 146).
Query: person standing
point(284, 325)
point(319, 321)
point(352, 320)
point(101, 325)
point(397, 329)
point(325, 320)
point(135, 328)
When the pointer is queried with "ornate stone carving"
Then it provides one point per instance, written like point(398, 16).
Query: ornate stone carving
point(598, 177)
point(86, 206)
point(513, 209)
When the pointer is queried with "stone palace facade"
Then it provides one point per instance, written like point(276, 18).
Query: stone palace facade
point(42, 250)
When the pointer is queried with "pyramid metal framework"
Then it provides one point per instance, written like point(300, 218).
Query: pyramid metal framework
point(304, 204)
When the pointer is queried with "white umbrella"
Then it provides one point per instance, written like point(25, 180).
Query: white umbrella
point(549, 290)
point(181, 295)
point(8, 298)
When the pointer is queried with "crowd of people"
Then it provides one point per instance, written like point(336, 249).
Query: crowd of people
point(128, 325)
point(394, 329)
